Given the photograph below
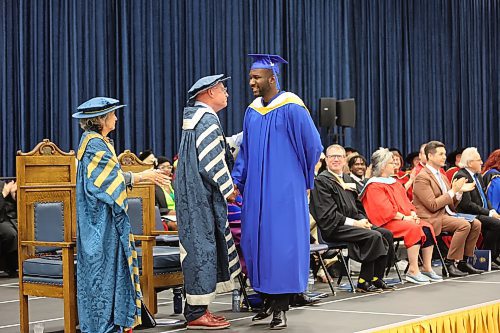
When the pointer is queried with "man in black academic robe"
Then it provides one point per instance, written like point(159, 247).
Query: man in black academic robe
point(340, 217)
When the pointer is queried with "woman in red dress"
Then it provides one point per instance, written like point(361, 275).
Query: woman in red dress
point(387, 205)
point(406, 179)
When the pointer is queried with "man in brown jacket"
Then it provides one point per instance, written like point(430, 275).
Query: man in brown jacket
point(435, 200)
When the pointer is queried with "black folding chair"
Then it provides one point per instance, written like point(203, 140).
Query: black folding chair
point(338, 247)
point(318, 248)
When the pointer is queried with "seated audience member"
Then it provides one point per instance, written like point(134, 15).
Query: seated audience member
point(357, 169)
point(148, 157)
point(435, 199)
point(164, 195)
point(8, 227)
point(340, 217)
point(475, 202)
point(387, 206)
point(491, 177)
point(405, 179)
point(349, 151)
point(452, 162)
point(412, 159)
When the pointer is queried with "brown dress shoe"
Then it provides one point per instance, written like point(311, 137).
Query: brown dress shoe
point(207, 322)
point(216, 317)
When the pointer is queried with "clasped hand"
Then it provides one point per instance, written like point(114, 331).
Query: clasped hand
point(363, 223)
point(461, 185)
point(159, 177)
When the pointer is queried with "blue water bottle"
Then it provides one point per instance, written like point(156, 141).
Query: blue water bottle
point(177, 300)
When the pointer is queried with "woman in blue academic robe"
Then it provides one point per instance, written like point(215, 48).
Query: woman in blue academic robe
point(108, 290)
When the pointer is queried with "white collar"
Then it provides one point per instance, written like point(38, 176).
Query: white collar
point(433, 170)
point(334, 173)
point(356, 178)
point(472, 174)
point(206, 106)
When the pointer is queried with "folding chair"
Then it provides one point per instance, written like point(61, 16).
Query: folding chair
point(338, 247)
point(439, 239)
point(318, 248)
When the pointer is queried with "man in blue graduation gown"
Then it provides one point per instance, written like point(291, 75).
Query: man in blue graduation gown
point(273, 170)
point(202, 184)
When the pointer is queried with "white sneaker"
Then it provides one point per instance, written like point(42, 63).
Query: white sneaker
point(433, 276)
point(417, 278)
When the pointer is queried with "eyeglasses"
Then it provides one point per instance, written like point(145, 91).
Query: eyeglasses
point(335, 156)
point(222, 88)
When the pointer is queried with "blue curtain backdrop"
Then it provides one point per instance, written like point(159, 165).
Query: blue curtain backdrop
point(419, 70)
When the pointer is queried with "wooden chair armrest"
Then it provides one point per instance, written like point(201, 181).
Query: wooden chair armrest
point(163, 232)
point(50, 244)
point(144, 238)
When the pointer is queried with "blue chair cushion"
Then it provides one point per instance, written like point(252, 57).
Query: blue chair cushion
point(49, 224)
point(165, 259)
point(50, 267)
point(135, 215)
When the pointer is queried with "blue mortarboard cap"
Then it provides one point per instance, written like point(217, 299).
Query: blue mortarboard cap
point(205, 83)
point(268, 61)
point(97, 106)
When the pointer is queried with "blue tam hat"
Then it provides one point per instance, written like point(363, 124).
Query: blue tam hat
point(203, 84)
point(268, 61)
point(97, 106)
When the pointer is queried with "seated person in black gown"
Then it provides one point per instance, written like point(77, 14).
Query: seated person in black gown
point(476, 203)
point(8, 227)
point(341, 218)
point(357, 169)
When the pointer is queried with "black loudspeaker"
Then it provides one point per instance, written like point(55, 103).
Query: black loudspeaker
point(327, 112)
point(346, 113)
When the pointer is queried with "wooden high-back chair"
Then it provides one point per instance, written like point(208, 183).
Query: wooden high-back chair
point(160, 265)
point(46, 206)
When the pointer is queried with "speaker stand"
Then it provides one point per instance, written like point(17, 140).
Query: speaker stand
point(342, 135)
point(332, 137)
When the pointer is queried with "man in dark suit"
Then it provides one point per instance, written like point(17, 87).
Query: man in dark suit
point(476, 203)
point(435, 199)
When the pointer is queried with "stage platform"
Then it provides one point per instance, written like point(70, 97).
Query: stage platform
point(346, 312)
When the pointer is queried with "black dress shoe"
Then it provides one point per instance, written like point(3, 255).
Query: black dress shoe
point(279, 320)
point(367, 287)
point(494, 266)
point(380, 284)
point(454, 271)
point(266, 312)
point(302, 299)
point(464, 266)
